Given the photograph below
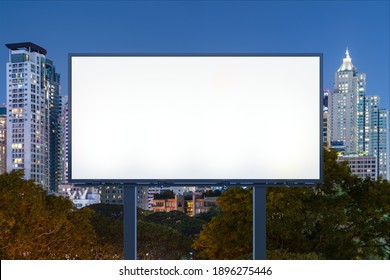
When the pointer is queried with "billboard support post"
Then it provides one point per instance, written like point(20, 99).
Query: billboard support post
point(259, 222)
point(130, 221)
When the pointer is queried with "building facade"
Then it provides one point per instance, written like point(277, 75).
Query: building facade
point(143, 198)
point(33, 98)
point(28, 112)
point(383, 144)
point(343, 105)
point(326, 120)
point(191, 203)
point(65, 139)
point(111, 194)
point(325, 128)
point(3, 139)
point(361, 166)
point(56, 142)
point(168, 204)
point(80, 196)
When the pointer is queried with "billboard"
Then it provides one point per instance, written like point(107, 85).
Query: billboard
point(202, 119)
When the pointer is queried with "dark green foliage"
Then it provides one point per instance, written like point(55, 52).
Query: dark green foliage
point(177, 220)
point(164, 194)
point(229, 234)
point(113, 211)
point(141, 213)
point(159, 242)
point(36, 226)
point(211, 193)
point(343, 218)
point(207, 216)
point(107, 222)
point(285, 255)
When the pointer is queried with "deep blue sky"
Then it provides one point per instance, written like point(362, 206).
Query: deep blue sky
point(326, 27)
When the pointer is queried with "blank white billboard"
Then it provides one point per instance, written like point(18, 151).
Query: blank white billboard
point(195, 118)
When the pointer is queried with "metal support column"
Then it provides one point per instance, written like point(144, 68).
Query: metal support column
point(130, 222)
point(259, 222)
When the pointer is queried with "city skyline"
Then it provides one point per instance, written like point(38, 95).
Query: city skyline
point(358, 124)
point(211, 27)
point(226, 27)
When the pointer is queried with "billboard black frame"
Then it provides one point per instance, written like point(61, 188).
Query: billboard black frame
point(198, 182)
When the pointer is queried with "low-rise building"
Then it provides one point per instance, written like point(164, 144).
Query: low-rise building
point(361, 165)
point(111, 194)
point(80, 196)
point(168, 204)
point(196, 203)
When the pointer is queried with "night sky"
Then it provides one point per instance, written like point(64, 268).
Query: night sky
point(327, 27)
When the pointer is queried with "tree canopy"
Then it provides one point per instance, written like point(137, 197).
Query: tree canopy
point(229, 234)
point(343, 218)
point(107, 222)
point(36, 226)
point(177, 220)
point(159, 242)
point(164, 194)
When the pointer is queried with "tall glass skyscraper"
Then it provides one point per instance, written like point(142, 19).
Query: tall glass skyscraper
point(65, 139)
point(357, 125)
point(382, 144)
point(344, 103)
point(32, 97)
point(55, 127)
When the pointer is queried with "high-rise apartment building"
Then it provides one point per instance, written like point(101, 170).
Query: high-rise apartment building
point(383, 144)
point(375, 137)
point(357, 125)
point(3, 139)
point(55, 128)
point(32, 96)
point(65, 139)
point(325, 127)
point(325, 120)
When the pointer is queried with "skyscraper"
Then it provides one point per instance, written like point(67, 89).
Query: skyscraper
point(55, 127)
point(325, 120)
point(344, 103)
point(383, 144)
point(65, 139)
point(358, 126)
point(31, 83)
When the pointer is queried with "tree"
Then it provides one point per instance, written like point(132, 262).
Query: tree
point(207, 216)
point(343, 218)
point(229, 234)
point(159, 242)
point(210, 193)
point(107, 222)
point(34, 225)
point(177, 220)
point(112, 211)
point(164, 194)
